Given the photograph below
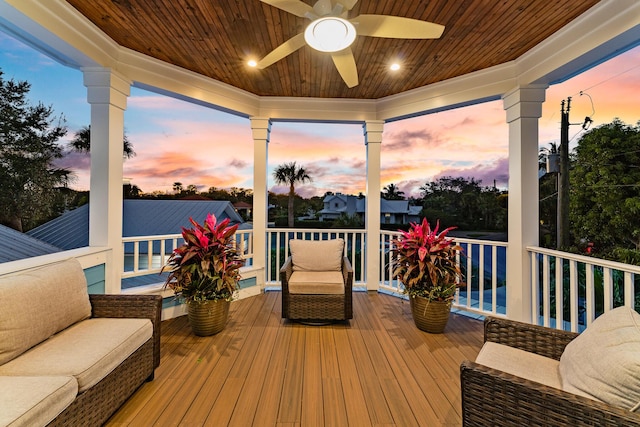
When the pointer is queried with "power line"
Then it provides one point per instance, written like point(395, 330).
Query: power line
point(610, 78)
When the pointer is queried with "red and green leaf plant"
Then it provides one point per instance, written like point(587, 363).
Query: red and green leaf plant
point(207, 266)
point(426, 262)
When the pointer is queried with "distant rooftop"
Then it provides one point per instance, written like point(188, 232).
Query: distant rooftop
point(15, 245)
point(140, 218)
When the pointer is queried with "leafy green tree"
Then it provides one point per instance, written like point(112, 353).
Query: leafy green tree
point(392, 192)
point(29, 146)
point(81, 142)
point(605, 188)
point(291, 174)
point(464, 203)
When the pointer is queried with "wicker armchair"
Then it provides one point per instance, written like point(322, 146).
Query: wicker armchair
point(491, 397)
point(317, 307)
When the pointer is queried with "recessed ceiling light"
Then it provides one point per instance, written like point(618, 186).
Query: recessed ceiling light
point(252, 63)
point(395, 66)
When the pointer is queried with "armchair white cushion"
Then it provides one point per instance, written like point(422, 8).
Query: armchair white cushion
point(317, 255)
point(603, 362)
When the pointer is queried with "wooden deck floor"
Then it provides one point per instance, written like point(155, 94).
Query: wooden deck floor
point(376, 370)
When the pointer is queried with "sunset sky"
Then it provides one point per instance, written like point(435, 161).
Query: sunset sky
point(178, 141)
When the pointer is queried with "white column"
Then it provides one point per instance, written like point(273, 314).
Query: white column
point(523, 108)
point(373, 139)
point(261, 129)
point(107, 93)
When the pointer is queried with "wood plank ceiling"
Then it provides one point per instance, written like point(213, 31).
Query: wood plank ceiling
point(216, 38)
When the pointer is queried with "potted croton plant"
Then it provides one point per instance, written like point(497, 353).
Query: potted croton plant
point(204, 273)
point(425, 263)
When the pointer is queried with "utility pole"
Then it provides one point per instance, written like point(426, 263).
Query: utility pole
point(563, 179)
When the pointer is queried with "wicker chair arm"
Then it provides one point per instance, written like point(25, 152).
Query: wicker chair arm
point(491, 397)
point(285, 273)
point(347, 274)
point(535, 339)
point(131, 306)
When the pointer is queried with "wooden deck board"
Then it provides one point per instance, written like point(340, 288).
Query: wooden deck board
point(262, 370)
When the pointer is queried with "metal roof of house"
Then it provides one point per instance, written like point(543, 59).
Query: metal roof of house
point(140, 218)
point(15, 245)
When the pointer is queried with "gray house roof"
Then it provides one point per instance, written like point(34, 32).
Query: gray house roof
point(140, 218)
point(15, 245)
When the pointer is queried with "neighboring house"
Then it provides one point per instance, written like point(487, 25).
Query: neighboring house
point(391, 211)
point(244, 209)
point(15, 245)
point(139, 218)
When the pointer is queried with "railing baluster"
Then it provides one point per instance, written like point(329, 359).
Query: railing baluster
point(535, 287)
point(546, 285)
point(559, 293)
point(481, 277)
point(591, 295)
point(629, 294)
point(573, 294)
point(494, 279)
point(607, 283)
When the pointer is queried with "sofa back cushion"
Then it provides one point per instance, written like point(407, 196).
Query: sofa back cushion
point(39, 302)
point(317, 255)
point(603, 362)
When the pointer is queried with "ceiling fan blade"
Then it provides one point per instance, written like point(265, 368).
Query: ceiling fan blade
point(348, 4)
point(294, 7)
point(322, 7)
point(286, 48)
point(346, 65)
point(396, 27)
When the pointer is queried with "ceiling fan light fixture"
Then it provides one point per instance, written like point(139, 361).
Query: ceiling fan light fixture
point(330, 34)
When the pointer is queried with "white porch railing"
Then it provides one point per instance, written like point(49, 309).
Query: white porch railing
point(145, 255)
point(484, 268)
point(569, 291)
point(590, 286)
point(278, 249)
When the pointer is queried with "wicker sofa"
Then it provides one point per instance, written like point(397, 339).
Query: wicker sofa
point(317, 282)
point(491, 396)
point(69, 358)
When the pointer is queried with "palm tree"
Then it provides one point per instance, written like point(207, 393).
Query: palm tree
point(290, 173)
point(81, 142)
point(544, 154)
point(392, 192)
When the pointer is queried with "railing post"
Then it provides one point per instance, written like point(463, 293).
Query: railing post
point(523, 109)
point(107, 93)
point(373, 139)
point(261, 130)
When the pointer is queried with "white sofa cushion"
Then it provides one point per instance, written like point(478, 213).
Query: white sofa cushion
point(34, 401)
point(39, 302)
point(523, 364)
point(316, 282)
point(317, 255)
point(88, 350)
point(603, 362)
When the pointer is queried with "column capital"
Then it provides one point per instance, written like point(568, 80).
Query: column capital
point(105, 86)
point(260, 128)
point(372, 130)
point(524, 102)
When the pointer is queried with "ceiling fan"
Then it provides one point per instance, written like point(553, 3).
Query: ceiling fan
point(330, 31)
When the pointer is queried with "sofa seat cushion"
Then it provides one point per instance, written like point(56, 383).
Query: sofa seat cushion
point(316, 255)
point(520, 363)
point(39, 302)
point(33, 401)
point(88, 350)
point(603, 362)
point(316, 282)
